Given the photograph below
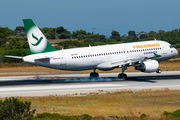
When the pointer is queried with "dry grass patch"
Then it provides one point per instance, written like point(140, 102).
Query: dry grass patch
point(119, 103)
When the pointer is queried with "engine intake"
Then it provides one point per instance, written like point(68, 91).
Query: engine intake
point(148, 66)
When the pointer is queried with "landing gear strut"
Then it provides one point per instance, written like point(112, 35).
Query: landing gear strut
point(94, 74)
point(122, 75)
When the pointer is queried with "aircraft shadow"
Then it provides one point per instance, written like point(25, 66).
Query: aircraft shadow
point(69, 80)
point(152, 78)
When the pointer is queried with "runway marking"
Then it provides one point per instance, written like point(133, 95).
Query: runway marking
point(60, 87)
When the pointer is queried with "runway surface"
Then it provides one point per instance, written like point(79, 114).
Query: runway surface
point(81, 83)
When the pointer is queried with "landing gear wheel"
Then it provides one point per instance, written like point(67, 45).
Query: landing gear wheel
point(158, 71)
point(123, 76)
point(94, 75)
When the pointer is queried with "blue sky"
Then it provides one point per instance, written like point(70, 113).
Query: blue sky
point(104, 15)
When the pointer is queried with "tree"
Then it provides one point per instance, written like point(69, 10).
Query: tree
point(70, 44)
point(89, 40)
point(161, 32)
point(3, 35)
point(156, 35)
point(115, 35)
point(50, 35)
point(14, 109)
point(15, 43)
point(179, 32)
point(63, 36)
point(79, 33)
point(151, 34)
point(59, 29)
point(132, 33)
point(62, 33)
point(49, 32)
point(143, 36)
point(101, 38)
point(19, 29)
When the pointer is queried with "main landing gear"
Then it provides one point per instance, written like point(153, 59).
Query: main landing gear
point(94, 74)
point(122, 75)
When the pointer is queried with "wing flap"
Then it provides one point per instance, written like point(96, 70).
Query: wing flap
point(130, 61)
point(120, 63)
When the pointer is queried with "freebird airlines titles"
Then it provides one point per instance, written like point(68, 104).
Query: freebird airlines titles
point(144, 56)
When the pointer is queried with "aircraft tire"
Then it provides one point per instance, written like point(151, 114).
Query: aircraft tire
point(158, 71)
point(94, 75)
point(123, 76)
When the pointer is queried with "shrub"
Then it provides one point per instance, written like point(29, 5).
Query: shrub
point(99, 118)
point(166, 113)
point(14, 109)
point(143, 116)
point(115, 117)
point(46, 115)
point(85, 117)
point(63, 117)
point(176, 114)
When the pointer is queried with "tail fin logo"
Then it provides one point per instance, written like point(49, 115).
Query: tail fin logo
point(38, 43)
point(38, 40)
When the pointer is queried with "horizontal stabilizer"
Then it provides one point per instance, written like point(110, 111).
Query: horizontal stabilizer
point(17, 57)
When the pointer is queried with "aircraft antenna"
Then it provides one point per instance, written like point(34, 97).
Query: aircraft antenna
point(155, 39)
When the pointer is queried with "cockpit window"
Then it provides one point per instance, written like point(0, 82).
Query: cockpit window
point(171, 46)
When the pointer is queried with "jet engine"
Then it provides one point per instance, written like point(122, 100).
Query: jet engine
point(148, 66)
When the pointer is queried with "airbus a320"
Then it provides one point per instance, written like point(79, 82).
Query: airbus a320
point(144, 56)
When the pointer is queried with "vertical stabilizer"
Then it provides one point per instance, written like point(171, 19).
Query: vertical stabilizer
point(38, 43)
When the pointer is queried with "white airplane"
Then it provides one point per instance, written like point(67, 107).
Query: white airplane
point(144, 56)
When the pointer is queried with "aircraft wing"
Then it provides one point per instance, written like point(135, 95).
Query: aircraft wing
point(128, 61)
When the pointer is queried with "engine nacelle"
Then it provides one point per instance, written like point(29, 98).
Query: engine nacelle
point(148, 66)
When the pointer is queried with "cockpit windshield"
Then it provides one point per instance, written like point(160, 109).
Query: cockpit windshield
point(171, 46)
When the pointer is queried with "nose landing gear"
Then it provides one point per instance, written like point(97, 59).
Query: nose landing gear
point(158, 71)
